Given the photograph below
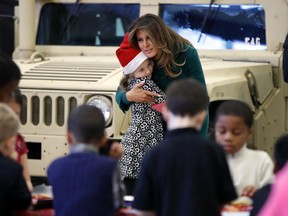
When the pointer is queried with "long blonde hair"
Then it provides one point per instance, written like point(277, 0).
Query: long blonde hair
point(168, 42)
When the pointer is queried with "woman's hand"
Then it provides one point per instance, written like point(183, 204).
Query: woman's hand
point(137, 94)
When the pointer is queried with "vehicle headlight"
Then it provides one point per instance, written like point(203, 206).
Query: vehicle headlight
point(104, 104)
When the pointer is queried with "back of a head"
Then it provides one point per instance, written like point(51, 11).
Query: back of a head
point(17, 97)
point(87, 124)
point(281, 151)
point(236, 108)
point(186, 97)
point(9, 71)
point(9, 122)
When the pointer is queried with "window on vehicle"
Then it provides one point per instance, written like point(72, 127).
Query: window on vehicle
point(238, 27)
point(85, 24)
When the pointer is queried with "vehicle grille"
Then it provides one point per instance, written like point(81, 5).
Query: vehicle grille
point(46, 110)
point(71, 71)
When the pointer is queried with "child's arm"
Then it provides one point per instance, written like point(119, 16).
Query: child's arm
point(22, 151)
point(112, 149)
point(249, 191)
point(266, 175)
point(24, 163)
point(20, 197)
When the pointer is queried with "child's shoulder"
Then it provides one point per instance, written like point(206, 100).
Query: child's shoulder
point(8, 162)
point(210, 145)
point(256, 153)
point(78, 159)
point(12, 167)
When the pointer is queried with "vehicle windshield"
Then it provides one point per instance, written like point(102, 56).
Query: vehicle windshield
point(85, 24)
point(238, 27)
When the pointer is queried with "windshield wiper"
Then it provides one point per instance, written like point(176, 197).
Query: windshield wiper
point(205, 20)
point(67, 22)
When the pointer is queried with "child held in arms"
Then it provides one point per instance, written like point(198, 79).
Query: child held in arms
point(146, 126)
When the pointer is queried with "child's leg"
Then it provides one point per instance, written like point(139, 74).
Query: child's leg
point(130, 185)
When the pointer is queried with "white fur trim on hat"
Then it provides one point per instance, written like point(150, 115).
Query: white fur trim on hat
point(134, 63)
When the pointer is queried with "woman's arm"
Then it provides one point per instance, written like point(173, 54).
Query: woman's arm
point(121, 100)
point(136, 94)
point(193, 67)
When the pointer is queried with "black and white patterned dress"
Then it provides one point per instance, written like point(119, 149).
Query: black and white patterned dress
point(144, 132)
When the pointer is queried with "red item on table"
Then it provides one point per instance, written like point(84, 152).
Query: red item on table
point(41, 212)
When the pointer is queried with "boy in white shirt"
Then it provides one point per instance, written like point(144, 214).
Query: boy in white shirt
point(250, 169)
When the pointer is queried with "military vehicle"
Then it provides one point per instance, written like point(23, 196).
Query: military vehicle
point(66, 53)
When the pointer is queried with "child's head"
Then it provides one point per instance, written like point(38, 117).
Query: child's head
point(233, 125)
point(134, 62)
point(10, 77)
point(281, 152)
point(86, 124)
point(16, 101)
point(9, 125)
point(186, 97)
point(144, 70)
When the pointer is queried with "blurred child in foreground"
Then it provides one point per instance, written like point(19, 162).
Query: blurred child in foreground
point(14, 193)
point(275, 204)
point(250, 169)
point(185, 174)
point(84, 182)
point(146, 126)
point(20, 154)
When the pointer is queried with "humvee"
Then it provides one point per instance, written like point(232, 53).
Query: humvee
point(66, 52)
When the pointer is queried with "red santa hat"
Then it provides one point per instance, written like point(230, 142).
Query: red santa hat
point(129, 58)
